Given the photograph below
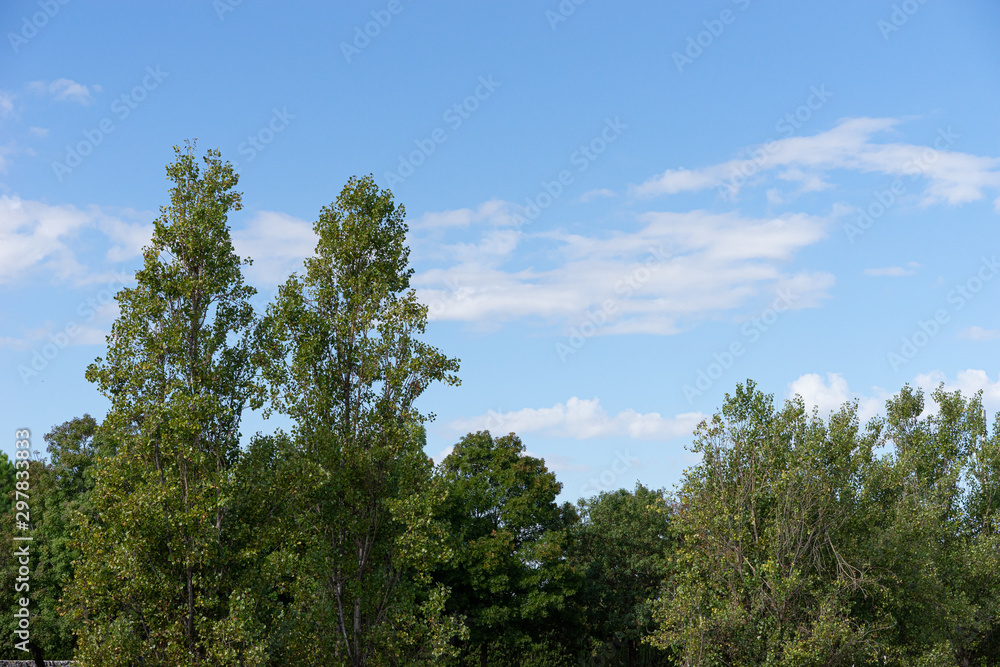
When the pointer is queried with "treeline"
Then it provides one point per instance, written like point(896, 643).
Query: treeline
point(158, 540)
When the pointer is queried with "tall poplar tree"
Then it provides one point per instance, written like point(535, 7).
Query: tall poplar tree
point(156, 583)
point(344, 361)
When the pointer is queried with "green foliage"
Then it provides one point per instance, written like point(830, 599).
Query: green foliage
point(622, 544)
point(761, 577)
point(343, 359)
point(935, 541)
point(156, 581)
point(6, 483)
point(802, 546)
point(64, 489)
point(509, 579)
point(59, 494)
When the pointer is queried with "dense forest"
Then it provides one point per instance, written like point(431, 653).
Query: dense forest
point(158, 539)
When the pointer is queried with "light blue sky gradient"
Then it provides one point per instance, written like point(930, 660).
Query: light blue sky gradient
point(617, 210)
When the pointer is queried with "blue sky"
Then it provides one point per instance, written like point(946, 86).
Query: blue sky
point(617, 211)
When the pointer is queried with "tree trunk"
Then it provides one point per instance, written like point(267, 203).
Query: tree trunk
point(633, 657)
point(483, 649)
point(37, 655)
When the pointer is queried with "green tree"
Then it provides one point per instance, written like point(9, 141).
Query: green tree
point(6, 483)
point(62, 497)
point(344, 361)
point(808, 542)
point(761, 575)
point(622, 544)
point(510, 578)
point(932, 531)
point(155, 582)
point(12, 590)
point(59, 491)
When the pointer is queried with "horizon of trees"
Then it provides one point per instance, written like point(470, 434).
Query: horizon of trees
point(159, 540)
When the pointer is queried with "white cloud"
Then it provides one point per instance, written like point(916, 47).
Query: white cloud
point(583, 419)
point(278, 243)
point(979, 333)
point(128, 239)
point(493, 212)
point(830, 394)
point(6, 103)
point(894, 271)
point(82, 334)
point(968, 381)
point(952, 177)
point(808, 182)
point(677, 267)
point(39, 237)
point(29, 338)
point(64, 90)
point(6, 151)
point(443, 455)
point(560, 463)
point(594, 194)
point(39, 131)
point(34, 235)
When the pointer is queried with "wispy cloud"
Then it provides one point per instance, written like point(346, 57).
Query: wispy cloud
point(583, 419)
point(894, 271)
point(277, 243)
point(6, 151)
point(84, 334)
point(594, 194)
point(6, 103)
point(65, 90)
point(43, 239)
point(697, 263)
point(968, 381)
point(39, 237)
point(979, 333)
point(952, 177)
point(492, 212)
point(828, 395)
